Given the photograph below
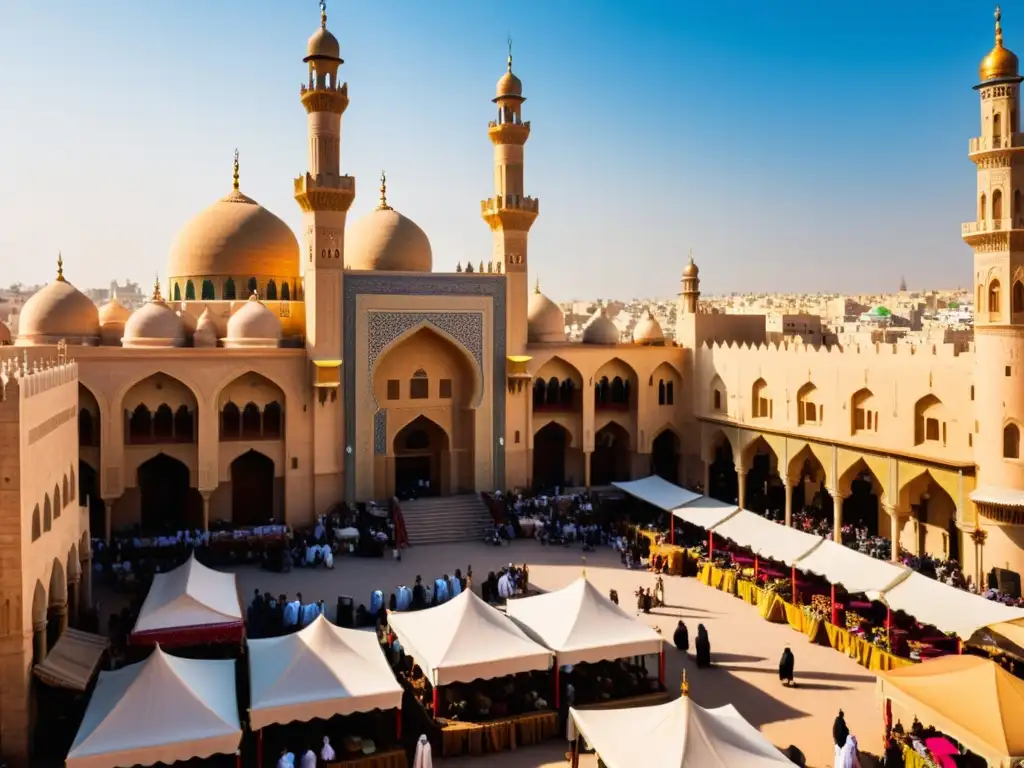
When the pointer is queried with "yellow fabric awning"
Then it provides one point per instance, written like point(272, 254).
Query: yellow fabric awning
point(73, 661)
point(970, 698)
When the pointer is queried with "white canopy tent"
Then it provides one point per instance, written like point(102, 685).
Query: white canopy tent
point(947, 608)
point(658, 492)
point(319, 672)
point(856, 571)
point(679, 733)
point(466, 639)
point(194, 601)
point(162, 710)
point(706, 512)
point(583, 626)
point(767, 539)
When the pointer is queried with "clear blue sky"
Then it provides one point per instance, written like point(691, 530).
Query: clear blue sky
point(795, 146)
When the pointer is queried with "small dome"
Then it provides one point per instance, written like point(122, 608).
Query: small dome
point(690, 270)
point(253, 325)
point(509, 85)
point(601, 330)
point(387, 241)
point(114, 313)
point(545, 322)
point(323, 45)
point(648, 330)
point(188, 320)
point(155, 325)
point(58, 311)
point(205, 334)
point(1000, 62)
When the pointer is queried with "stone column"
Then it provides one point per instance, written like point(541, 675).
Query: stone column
point(108, 519)
point(206, 509)
point(707, 477)
point(39, 642)
point(74, 604)
point(586, 468)
point(895, 527)
point(86, 597)
point(837, 514)
point(741, 486)
point(789, 500)
point(60, 611)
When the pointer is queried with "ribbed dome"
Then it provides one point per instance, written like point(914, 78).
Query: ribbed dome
point(545, 322)
point(1000, 62)
point(648, 330)
point(114, 312)
point(58, 311)
point(155, 325)
point(234, 237)
point(387, 241)
point(205, 334)
point(253, 325)
point(601, 330)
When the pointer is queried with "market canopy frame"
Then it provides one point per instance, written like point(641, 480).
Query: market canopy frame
point(857, 572)
point(765, 538)
point(658, 492)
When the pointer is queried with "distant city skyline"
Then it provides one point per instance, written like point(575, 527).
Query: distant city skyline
point(815, 150)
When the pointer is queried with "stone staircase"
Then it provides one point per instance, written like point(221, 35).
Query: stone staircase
point(442, 519)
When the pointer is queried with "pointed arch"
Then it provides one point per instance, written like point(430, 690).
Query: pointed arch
point(228, 292)
point(253, 491)
point(809, 409)
point(177, 292)
point(285, 292)
point(58, 590)
point(610, 460)
point(47, 514)
point(1017, 299)
point(760, 400)
point(666, 449)
point(618, 381)
point(271, 292)
point(421, 449)
point(209, 293)
point(560, 368)
point(929, 421)
point(936, 514)
point(719, 395)
point(551, 443)
point(1011, 441)
point(73, 484)
point(57, 504)
point(40, 604)
point(190, 291)
point(994, 298)
point(863, 412)
point(37, 523)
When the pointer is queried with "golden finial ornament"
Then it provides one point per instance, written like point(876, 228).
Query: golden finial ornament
point(60, 267)
point(234, 177)
point(323, 14)
point(999, 27)
point(156, 289)
point(383, 206)
point(684, 688)
point(536, 286)
point(510, 53)
point(1000, 62)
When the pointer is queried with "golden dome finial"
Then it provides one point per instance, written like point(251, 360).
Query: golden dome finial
point(156, 289)
point(60, 267)
point(1000, 61)
point(510, 53)
point(584, 559)
point(536, 286)
point(323, 14)
point(684, 687)
point(234, 177)
point(383, 206)
point(999, 27)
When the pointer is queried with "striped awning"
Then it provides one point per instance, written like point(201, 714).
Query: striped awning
point(73, 661)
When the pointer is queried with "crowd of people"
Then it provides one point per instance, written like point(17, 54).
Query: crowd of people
point(269, 616)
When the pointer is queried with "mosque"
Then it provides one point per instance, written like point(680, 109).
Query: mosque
point(273, 378)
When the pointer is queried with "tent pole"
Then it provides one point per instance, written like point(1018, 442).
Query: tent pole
point(835, 608)
point(259, 748)
point(792, 577)
point(888, 627)
point(671, 528)
point(558, 688)
point(757, 567)
point(711, 544)
point(238, 759)
point(661, 668)
point(398, 724)
point(436, 702)
point(576, 751)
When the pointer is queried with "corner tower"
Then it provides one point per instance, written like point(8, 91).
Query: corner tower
point(510, 213)
point(324, 195)
point(997, 237)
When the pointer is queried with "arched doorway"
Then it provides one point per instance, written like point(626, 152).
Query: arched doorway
point(722, 483)
point(549, 448)
point(811, 499)
point(57, 611)
point(166, 504)
point(89, 493)
point(933, 524)
point(252, 489)
point(860, 508)
point(609, 463)
point(765, 493)
point(665, 456)
point(421, 452)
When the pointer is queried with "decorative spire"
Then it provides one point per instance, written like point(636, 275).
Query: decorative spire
point(156, 289)
point(691, 255)
point(510, 51)
point(235, 176)
point(536, 286)
point(323, 14)
point(60, 267)
point(684, 688)
point(999, 27)
point(584, 559)
point(383, 206)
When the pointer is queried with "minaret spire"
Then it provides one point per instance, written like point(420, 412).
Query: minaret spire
point(536, 286)
point(234, 177)
point(999, 27)
point(60, 267)
point(383, 205)
point(156, 289)
point(323, 14)
point(510, 53)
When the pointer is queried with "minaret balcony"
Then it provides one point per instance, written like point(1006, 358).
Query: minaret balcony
point(325, 192)
point(508, 133)
point(321, 98)
point(974, 231)
point(993, 143)
point(500, 203)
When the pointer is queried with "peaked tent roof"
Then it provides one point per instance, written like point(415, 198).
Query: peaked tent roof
point(582, 626)
point(319, 672)
point(986, 714)
point(466, 639)
point(192, 598)
point(659, 492)
point(679, 733)
point(162, 710)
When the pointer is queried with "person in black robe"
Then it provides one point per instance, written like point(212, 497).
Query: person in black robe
point(681, 637)
point(893, 757)
point(702, 647)
point(839, 730)
point(786, 664)
point(419, 595)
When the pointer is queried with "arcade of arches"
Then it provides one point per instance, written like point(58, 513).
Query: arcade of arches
point(923, 519)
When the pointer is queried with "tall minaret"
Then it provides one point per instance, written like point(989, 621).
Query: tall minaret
point(997, 237)
point(510, 213)
point(690, 294)
point(324, 195)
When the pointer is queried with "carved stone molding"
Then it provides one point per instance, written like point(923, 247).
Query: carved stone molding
point(380, 432)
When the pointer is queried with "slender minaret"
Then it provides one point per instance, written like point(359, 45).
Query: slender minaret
point(324, 195)
point(997, 237)
point(510, 213)
point(690, 294)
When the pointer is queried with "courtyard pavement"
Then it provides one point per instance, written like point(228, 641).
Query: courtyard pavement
point(745, 648)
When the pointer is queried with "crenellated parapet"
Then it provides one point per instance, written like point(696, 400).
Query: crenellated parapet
point(324, 98)
point(510, 213)
point(324, 192)
point(876, 349)
point(17, 375)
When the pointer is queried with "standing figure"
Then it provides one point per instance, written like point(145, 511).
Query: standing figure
point(702, 647)
point(786, 667)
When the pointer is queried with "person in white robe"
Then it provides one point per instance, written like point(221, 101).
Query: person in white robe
point(287, 759)
point(290, 617)
point(454, 586)
point(308, 759)
point(327, 751)
point(422, 758)
point(376, 602)
point(328, 557)
point(848, 756)
point(506, 586)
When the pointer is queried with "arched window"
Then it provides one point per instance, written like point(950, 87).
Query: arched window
point(760, 403)
point(190, 291)
point(271, 291)
point(209, 292)
point(230, 422)
point(1018, 296)
point(273, 421)
point(419, 386)
point(56, 502)
point(539, 392)
point(184, 425)
point(982, 212)
point(661, 392)
point(47, 514)
point(1011, 442)
point(251, 286)
point(85, 428)
point(670, 393)
point(997, 204)
point(64, 495)
point(618, 391)
point(1016, 203)
point(285, 294)
point(177, 292)
point(37, 528)
point(993, 297)
point(567, 393)
point(716, 400)
point(252, 422)
point(602, 391)
point(74, 488)
point(997, 129)
point(163, 423)
point(140, 424)
point(551, 396)
point(229, 290)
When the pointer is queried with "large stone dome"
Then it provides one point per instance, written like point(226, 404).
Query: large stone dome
point(235, 237)
point(58, 311)
point(387, 241)
point(600, 329)
point(545, 322)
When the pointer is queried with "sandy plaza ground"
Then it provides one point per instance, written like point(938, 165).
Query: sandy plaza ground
point(745, 648)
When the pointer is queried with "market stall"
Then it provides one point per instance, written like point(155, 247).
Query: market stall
point(679, 733)
point(163, 710)
point(191, 605)
point(658, 492)
point(582, 626)
point(970, 699)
